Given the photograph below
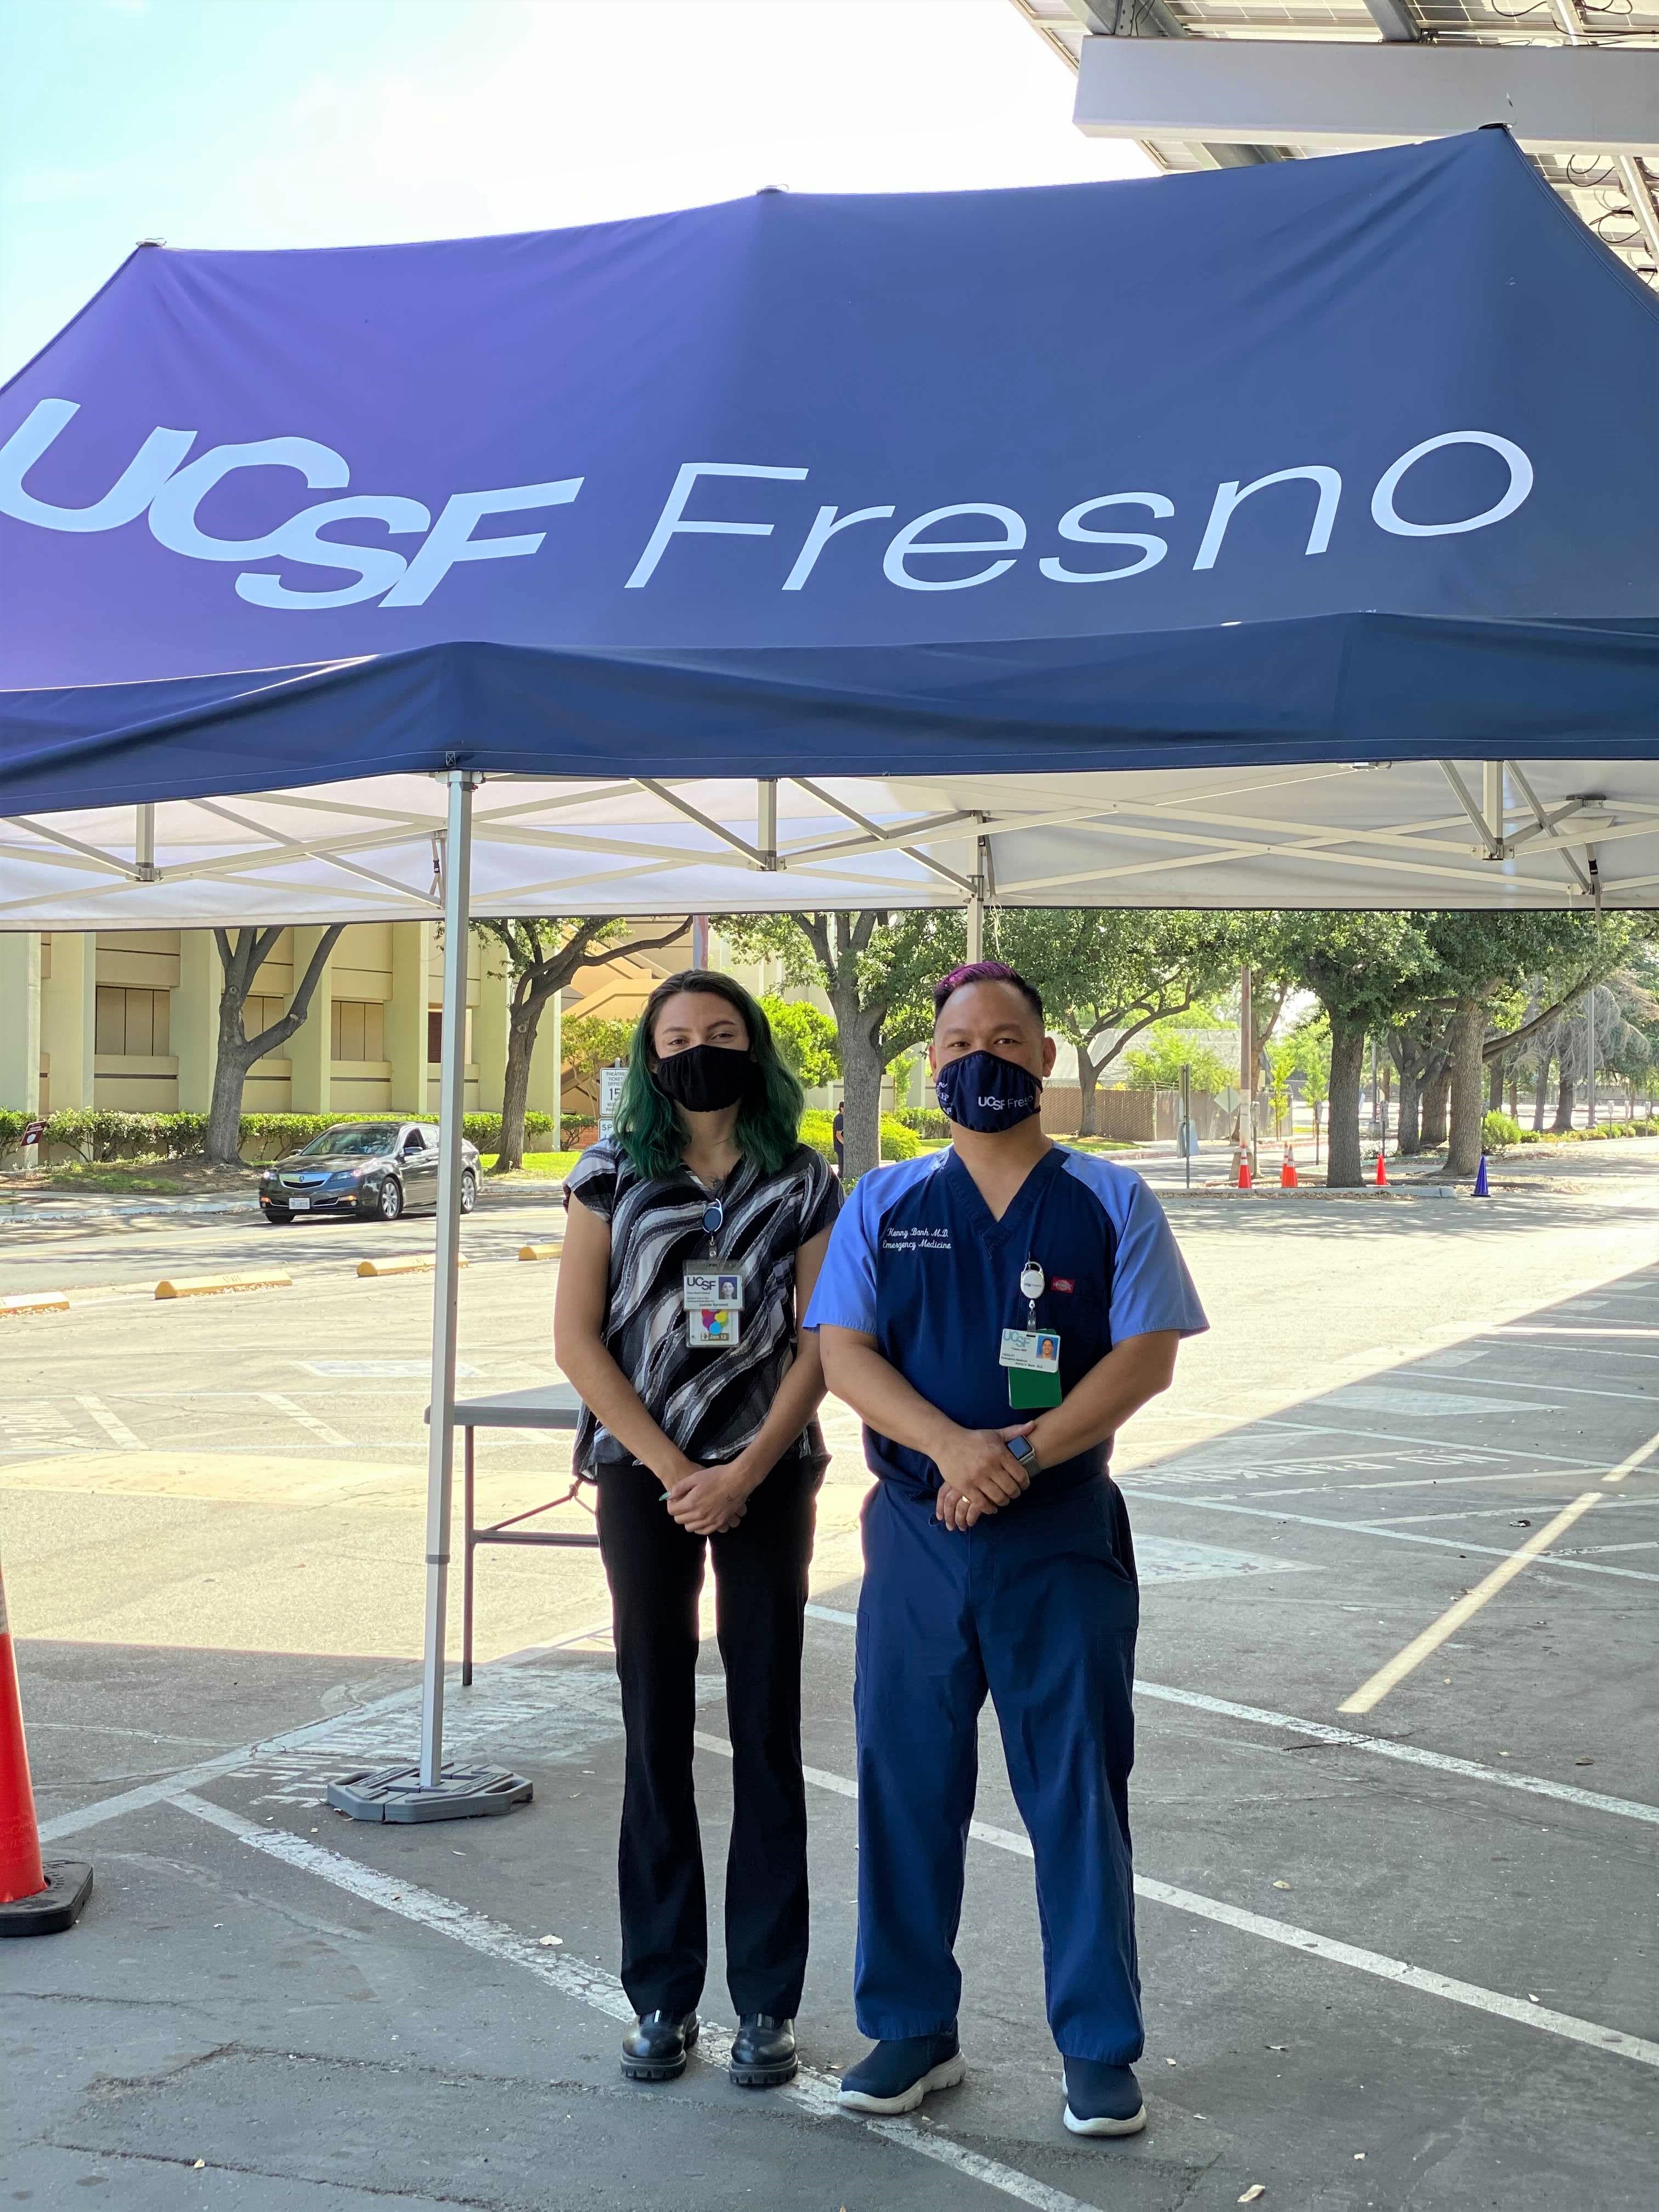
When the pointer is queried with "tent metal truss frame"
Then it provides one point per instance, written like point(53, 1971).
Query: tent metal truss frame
point(857, 843)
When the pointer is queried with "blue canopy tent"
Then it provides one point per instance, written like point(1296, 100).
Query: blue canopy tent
point(1067, 546)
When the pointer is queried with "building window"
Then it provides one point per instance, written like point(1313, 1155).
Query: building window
point(357, 1029)
point(435, 1036)
point(130, 1024)
point(258, 1014)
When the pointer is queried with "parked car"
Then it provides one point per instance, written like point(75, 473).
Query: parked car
point(382, 1168)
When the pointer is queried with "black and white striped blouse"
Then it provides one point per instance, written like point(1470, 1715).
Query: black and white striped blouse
point(711, 1403)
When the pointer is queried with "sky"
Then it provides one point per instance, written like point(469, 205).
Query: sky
point(285, 122)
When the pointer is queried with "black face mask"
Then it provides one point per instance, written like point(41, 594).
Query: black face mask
point(982, 1092)
point(705, 1077)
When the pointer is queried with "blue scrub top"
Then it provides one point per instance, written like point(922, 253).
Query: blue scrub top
point(917, 1261)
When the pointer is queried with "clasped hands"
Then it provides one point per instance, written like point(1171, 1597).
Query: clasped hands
point(707, 1501)
point(978, 1472)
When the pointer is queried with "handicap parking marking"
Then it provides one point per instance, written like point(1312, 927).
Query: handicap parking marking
point(115, 1429)
point(1432, 1405)
point(319, 1429)
point(1167, 1559)
point(38, 1425)
point(385, 1370)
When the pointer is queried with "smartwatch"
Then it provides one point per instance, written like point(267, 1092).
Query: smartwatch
point(1025, 1452)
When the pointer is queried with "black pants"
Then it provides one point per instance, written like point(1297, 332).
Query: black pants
point(655, 1571)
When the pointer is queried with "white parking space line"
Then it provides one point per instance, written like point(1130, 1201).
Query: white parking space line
point(1511, 1475)
point(1489, 1513)
point(1182, 1504)
point(813, 2092)
point(1400, 1436)
point(1372, 1691)
point(1555, 1389)
point(117, 1431)
point(320, 1430)
point(1381, 1747)
point(1521, 2011)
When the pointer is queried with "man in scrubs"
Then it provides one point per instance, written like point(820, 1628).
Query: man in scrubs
point(996, 1312)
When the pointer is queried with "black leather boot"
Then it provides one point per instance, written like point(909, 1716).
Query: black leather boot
point(763, 2052)
point(654, 2049)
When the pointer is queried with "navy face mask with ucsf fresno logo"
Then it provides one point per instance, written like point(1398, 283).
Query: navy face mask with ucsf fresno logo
point(980, 1091)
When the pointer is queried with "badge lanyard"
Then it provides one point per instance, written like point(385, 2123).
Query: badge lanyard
point(1031, 1355)
point(711, 1296)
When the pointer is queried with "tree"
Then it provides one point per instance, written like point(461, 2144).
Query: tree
point(805, 1036)
point(1106, 973)
point(1484, 960)
point(878, 970)
point(595, 1040)
point(1167, 1051)
point(1366, 970)
point(241, 955)
point(1310, 1040)
point(544, 956)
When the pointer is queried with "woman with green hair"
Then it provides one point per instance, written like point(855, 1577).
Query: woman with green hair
point(699, 1229)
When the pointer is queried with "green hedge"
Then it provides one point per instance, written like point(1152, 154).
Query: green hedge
point(103, 1133)
point(898, 1143)
point(924, 1122)
point(1499, 1132)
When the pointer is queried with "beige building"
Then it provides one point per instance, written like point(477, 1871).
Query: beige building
point(131, 1018)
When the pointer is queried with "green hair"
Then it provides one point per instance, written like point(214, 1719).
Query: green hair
point(647, 1126)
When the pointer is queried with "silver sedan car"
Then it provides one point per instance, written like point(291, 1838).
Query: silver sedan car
point(380, 1168)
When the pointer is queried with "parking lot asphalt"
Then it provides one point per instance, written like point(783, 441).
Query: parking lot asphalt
point(1398, 1958)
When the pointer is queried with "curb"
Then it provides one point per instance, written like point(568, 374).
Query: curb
point(404, 1263)
point(28, 1302)
point(202, 1286)
point(539, 1251)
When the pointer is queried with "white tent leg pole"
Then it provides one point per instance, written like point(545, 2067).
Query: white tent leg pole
point(452, 1105)
point(976, 903)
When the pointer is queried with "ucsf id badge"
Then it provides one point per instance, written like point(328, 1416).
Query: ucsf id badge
point(713, 1301)
point(1031, 1357)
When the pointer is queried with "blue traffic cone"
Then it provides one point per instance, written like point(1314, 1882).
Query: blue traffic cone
point(1481, 1190)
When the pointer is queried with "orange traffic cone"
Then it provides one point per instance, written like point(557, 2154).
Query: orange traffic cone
point(1244, 1169)
point(36, 1898)
point(1287, 1173)
point(1382, 1172)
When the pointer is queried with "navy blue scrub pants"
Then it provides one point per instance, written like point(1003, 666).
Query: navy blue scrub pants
point(1038, 1605)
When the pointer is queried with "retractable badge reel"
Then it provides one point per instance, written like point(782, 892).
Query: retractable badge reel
point(1031, 1355)
point(711, 1296)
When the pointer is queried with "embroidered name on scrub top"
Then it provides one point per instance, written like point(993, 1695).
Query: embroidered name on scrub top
point(711, 1296)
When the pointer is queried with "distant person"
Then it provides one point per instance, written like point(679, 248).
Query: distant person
point(951, 1280)
point(838, 1139)
point(698, 1425)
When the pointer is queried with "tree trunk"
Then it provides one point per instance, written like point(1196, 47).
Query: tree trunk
point(861, 1071)
point(1541, 1093)
point(1411, 1112)
point(1515, 1096)
point(1464, 1087)
point(1088, 1096)
point(1564, 1102)
point(1342, 1171)
point(223, 1147)
point(1437, 1100)
point(522, 1021)
point(1495, 1086)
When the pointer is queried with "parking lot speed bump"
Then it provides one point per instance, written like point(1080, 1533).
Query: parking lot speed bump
point(538, 1251)
point(402, 1263)
point(24, 1302)
point(203, 1286)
